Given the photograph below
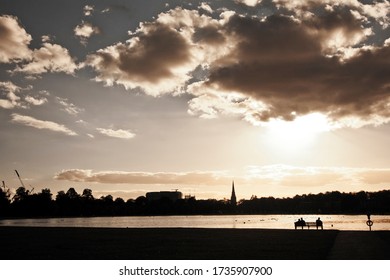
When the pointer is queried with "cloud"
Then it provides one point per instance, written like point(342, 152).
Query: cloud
point(88, 10)
point(39, 124)
point(49, 58)
point(12, 99)
point(159, 56)
point(250, 3)
point(377, 10)
point(68, 107)
point(119, 133)
point(14, 40)
point(293, 176)
point(284, 68)
point(14, 48)
point(46, 38)
point(118, 177)
point(152, 61)
point(36, 101)
point(276, 67)
point(283, 178)
point(375, 176)
point(315, 177)
point(205, 7)
point(85, 30)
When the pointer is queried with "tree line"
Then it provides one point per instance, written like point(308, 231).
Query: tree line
point(72, 204)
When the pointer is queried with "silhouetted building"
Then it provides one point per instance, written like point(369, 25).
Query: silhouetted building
point(233, 199)
point(189, 196)
point(175, 195)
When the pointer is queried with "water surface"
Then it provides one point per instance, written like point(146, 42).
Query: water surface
point(339, 222)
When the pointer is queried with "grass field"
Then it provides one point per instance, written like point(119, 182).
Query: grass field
point(181, 243)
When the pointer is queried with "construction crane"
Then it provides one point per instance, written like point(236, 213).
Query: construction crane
point(20, 179)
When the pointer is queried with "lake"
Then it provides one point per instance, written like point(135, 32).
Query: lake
point(339, 222)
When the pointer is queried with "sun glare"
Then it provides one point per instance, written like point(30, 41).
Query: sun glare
point(298, 134)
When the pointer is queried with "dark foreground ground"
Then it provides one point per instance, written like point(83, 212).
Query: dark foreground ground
point(195, 244)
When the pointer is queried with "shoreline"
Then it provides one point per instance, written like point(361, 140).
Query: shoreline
point(66, 243)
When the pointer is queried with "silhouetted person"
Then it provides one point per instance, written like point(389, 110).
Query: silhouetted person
point(319, 223)
point(299, 223)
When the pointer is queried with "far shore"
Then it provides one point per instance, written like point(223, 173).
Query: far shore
point(59, 243)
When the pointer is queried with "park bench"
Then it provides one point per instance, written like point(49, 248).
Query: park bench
point(308, 225)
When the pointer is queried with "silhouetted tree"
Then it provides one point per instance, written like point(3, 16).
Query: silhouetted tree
point(88, 203)
point(120, 207)
point(41, 203)
point(70, 203)
point(72, 194)
point(21, 194)
point(87, 194)
point(4, 202)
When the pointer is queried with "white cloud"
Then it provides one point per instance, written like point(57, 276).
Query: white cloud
point(9, 90)
point(36, 101)
point(68, 107)
point(255, 179)
point(85, 30)
point(14, 40)
point(49, 58)
point(46, 38)
point(88, 10)
point(377, 10)
point(250, 3)
point(120, 177)
point(12, 100)
point(14, 48)
point(211, 102)
point(206, 7)
point(119, 133)
point(40, 124)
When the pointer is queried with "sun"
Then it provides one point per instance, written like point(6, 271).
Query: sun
point(289, 136)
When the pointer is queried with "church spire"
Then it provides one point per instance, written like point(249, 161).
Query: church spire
point(233, 199)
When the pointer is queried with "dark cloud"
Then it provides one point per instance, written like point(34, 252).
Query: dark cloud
point(279, 66)
point(283, 63)
point(208, 35)
point(148, 58)
point(152, 56)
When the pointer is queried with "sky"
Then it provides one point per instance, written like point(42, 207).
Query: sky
point(124, 97)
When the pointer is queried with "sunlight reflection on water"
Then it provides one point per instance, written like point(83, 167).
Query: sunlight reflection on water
point(339, 222)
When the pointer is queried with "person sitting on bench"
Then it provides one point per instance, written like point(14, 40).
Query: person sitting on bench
point(319, 223)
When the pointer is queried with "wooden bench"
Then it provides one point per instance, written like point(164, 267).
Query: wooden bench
point(308, 225)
